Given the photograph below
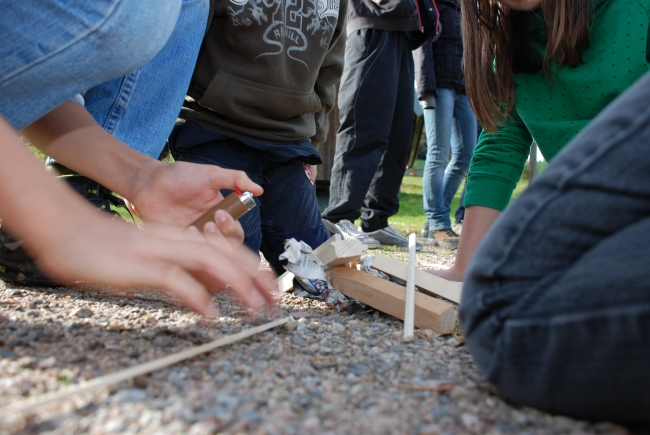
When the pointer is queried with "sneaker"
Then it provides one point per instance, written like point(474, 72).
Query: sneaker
point(446, 238)
point(346, 230)
point(424, 232)
point(16, 266)
point(389, 237)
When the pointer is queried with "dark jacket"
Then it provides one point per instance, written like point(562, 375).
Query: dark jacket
point(440, 64)
point(395, 15)
point(267, 71)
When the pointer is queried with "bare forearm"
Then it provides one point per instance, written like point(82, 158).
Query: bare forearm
point(71, 136)
point(478, 221)
point(26, 187)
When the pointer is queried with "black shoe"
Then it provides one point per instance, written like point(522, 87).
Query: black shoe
point(424, 232)
point(16, 266)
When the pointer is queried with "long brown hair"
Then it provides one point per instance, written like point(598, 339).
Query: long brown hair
point(498, 42)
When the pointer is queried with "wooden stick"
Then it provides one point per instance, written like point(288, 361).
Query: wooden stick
point(32, 403)
point(425, 281)
point(441, 388)
point(409, 305)
point(388, 297)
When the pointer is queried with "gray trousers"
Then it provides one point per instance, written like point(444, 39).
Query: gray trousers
point(556, 302)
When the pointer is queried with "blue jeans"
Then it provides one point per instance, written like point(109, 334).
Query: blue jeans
point(451, 138)
point(287, 209)
point(140, 108)
point(55, 49)
point(556, 302)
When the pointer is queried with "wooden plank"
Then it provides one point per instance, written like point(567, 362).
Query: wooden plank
point(425, 281)
point(409, 308)
point(388, 297)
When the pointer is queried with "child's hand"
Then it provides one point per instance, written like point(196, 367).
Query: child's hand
point(184, 262)
point(181, 192)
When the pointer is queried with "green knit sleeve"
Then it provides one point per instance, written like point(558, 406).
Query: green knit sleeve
point(497, 164)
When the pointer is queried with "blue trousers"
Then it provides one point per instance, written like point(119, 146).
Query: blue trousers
point(287, 209)
point(140, 108)
point(374, 138)
point(53, 50)
point(556, 302)
point(451, 138)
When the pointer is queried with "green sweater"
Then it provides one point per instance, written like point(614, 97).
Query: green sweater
point(553, 114)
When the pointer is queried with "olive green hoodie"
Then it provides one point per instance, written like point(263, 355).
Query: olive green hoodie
point(268, 70)
point(552, 114)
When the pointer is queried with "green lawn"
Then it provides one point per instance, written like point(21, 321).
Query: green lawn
point(411, 216)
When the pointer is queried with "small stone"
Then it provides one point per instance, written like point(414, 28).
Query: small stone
point(206, 426)
point(83, 313)
point(130, 395)
point(337, 328)
point(148, 334)
point(47, 363)
point(163, 341)
point(114, 426)
point(77, 358)
point(470, 421)
point(27, 362)
point(6, 353)
point(33, 313)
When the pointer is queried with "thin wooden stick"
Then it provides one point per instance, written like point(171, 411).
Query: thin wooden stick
point(409, 306)
point(32, 403)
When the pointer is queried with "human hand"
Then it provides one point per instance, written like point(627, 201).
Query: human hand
point(454, 273)
point(183, 262)
point(180, 192)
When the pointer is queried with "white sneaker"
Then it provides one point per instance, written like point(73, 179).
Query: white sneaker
point(346, 230)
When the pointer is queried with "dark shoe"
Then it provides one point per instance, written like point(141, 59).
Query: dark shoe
point(446, 238)
point(16, 266)
point(389, 237)
point(424, 232)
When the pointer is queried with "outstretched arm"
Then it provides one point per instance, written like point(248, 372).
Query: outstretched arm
point(175, 194)
point(183, 262)
point(478, 221)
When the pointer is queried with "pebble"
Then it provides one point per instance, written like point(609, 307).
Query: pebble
point(83, 313)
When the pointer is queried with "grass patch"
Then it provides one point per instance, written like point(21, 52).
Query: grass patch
point(411, 218)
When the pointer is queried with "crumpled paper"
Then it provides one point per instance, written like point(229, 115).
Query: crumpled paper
point(310, 280)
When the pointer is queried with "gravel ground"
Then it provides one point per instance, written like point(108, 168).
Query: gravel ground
point(327, 373)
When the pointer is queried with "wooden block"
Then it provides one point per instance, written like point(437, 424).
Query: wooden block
point(388, 297)
point(326, 243)
point(285, 281)
point(340, 252)
point(425, 281)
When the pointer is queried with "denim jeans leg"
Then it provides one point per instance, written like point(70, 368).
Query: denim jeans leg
point(140, 109)
point(289, 210)
point(556, 302)
point(463, 142)
point(366, 117)
point(438, 124)
point(53, 50)
point(459, 216)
